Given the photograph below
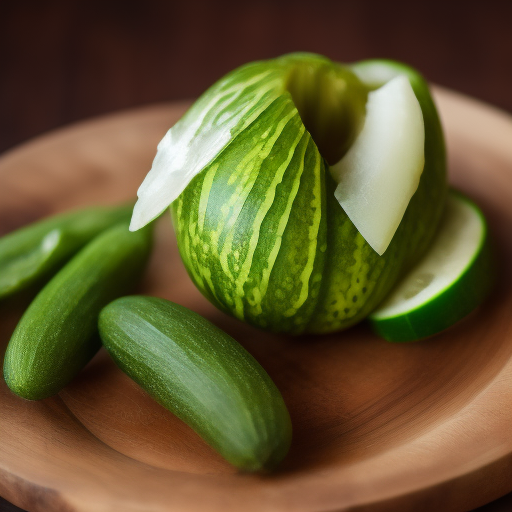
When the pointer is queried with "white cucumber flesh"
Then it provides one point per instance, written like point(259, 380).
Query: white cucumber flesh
point(449, 282)
point(382, 169)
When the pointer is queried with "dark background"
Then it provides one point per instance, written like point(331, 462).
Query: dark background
point(62, 61)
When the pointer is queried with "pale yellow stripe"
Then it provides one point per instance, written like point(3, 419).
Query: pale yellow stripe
point(283, 221)
point(265, 206)
point(316, 203)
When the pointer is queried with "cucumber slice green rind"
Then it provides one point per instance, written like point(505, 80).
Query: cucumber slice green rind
point(448, 305)
point(57, 335)
point(33, 253)
point(202, 375)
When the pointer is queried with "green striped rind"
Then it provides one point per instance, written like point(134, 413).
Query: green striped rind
point(57, 335)
point(233, 222)
point(33, 253)
point(264, 238)
point(202, 375)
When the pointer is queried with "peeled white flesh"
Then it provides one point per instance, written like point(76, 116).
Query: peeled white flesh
point(456, 246)
point(381, 171)
point(196, 139)
point(180, 156)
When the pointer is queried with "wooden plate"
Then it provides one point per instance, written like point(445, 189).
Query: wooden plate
point(377, 426)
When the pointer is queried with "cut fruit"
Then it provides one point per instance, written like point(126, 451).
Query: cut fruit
point(263, 229)
point(451, 280)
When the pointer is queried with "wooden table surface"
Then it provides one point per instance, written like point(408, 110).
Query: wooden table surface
point(63, 61)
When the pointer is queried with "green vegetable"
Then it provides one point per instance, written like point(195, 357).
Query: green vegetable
point(451, 280)
point(33, 253)
point(202, 375)
point(259, 227)
point(56, 336)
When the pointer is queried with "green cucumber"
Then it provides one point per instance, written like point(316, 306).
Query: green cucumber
point(202, 375)
point(57, 335)
point(33, 253)
point(449, 282)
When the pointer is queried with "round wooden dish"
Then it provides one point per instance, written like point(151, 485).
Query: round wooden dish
point(377, 426)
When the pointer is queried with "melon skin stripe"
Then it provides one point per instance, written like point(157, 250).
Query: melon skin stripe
point(450, 304)
point(233, 225)
point(264, 238)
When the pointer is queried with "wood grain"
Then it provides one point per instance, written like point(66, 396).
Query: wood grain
point(377, 426)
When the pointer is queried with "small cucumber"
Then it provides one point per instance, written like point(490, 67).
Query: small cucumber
point(57, 335)
point(35, 252)
point(202, 375)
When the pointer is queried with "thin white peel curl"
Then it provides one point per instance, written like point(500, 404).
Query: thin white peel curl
point(196, 139)
point(381, 171)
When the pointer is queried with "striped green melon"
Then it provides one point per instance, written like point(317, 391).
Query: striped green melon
point(258, 226)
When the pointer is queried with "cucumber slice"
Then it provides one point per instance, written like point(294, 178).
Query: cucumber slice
point(451, 280)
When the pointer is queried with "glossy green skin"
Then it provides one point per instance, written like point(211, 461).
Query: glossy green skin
point(57, 335)
point(263, 237)
point(202, 375)
point(32, 254)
